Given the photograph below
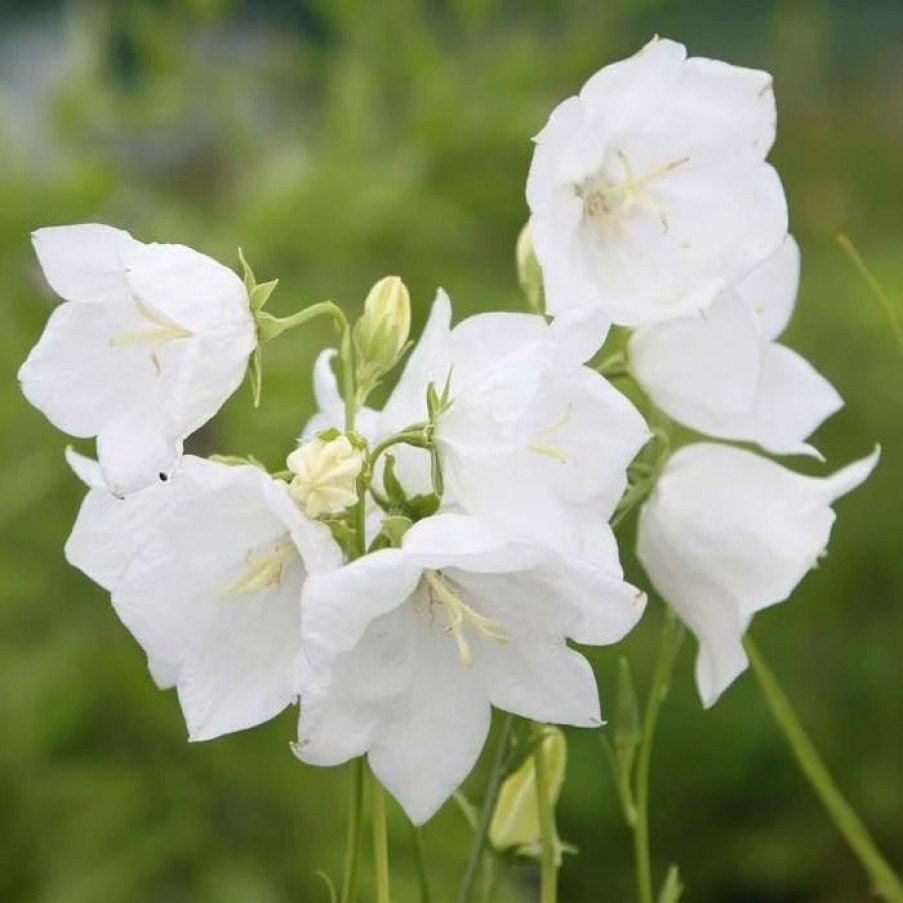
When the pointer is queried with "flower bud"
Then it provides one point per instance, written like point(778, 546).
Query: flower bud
point(325, 475)
point(381, 334)
point(529, 273)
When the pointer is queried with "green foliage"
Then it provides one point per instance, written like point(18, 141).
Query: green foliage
point(337, 141)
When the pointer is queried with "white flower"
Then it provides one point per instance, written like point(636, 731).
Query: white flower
point(206, 572)
point(326, 472)
point(724, 374)
point(727, 533)
point(649, 192)
point(531, 435)
point(151, 341)
point(406, 649)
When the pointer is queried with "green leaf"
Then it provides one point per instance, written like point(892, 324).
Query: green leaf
point(672, 888)
point(515, 822)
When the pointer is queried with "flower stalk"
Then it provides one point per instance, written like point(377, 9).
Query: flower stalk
point(885, 881)
point(551, 852)
point(380, 839)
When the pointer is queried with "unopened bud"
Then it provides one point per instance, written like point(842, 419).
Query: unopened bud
point(325, 475)
point(529, 273)
point(381, 333)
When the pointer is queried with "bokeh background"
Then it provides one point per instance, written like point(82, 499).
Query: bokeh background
point(338, 141)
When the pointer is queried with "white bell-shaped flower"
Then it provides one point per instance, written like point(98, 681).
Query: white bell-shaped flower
point(649, 192)
point(151, 341)
point(206, 571)
point(723, 374)
point(405, 650)
point(530, 435)
point(727, 533)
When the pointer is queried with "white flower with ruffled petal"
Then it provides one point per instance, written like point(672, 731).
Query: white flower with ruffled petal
point(206, 572)
point(531, 437)
point(727, 533)
point(725, 375)
point(649, 191)
point(150, 343)
point(405, 650)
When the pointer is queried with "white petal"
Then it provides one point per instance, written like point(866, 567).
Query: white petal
point(234, 654)
point(84, 263)
point(582, 435)
point(338, 606)
point(345, 701)
point(467, 542)
point(792, 400)
point(109, 531)
point(73, 375)
point(539, 679)
point(135, 451)
point(578, 335)
point(770, 289)
point(727, 533)
point(712, 362)
point(85, 468)
point(434, 735)
point(479, 342)
point(330, 407)
point(190, 288)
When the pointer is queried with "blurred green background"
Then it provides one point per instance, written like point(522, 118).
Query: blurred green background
point(338, 141)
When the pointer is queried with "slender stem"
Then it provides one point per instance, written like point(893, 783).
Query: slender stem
point(548, 834)
point(349, 392)
point(380, 839)
point(412, 435)
point(420, 863)
point(481, 834)
point(885, 881)
point(657, 692)
point(268, 326)
point(355, 832)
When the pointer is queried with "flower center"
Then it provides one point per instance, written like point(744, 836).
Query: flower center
point(261, 571)
point(443, 591)
point(609, 200)
point(161, 330)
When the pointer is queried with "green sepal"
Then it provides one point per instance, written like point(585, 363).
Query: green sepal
point(248, 277)
point(423, 505)
point(260, 294)
point(394, 490)
point(392, 532)
point(255, 375)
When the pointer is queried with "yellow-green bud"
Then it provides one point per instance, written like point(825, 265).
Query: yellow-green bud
point(325, 475)
point(381, 334)
point(529, 273)
point(516, 822)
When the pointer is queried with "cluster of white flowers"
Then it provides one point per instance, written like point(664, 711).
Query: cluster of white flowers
point(415, 566)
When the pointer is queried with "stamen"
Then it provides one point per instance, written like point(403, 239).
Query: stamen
point(608, 202)
point(261, 572)
point(460, 615)
point(550, 451)
point(164, 330)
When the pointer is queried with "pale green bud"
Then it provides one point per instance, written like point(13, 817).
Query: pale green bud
point(325, 475)
point(515, 823)
point(381, 333)
point(529, 273)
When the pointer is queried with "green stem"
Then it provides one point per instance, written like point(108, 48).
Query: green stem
point(481, 834)
point(657, 693)
point(420, 863)
point(548, 834)
point(268, 326)
point(380, 839)
point(885, 881)
point(355, 832)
